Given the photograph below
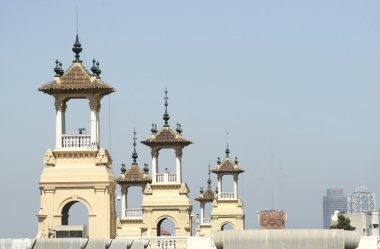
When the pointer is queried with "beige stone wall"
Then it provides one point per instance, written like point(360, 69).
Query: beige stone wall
point(77, 176)
point(227, 211)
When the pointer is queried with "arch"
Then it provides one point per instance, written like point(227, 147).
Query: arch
point(225, 226)
point(75, 200)
point(160, 220)
point(66, 209)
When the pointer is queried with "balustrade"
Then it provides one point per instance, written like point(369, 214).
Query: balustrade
point(227, 195)
point(167, 243)
point(206, 221)
point(76, 141)
point(134, 213)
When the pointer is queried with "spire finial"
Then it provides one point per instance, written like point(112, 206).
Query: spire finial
point(227, 151)
point(236, 160)
point(166, 114)
point(179, 129)
point(134, 154)
point(77, 48)
point(218, 161)
point(209, 178)
point(146, 168)
point(123, 168)
point(57, 69)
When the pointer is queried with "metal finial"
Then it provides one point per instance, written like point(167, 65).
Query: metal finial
point(57, 69)
point(209, 177)
point(236, 160)
point(166, 114)
point(218, 161)
point(179, 129)
point(227, 151)
point(134, 154)
point(93, 68)
point(216, 190)
point(201, 191)
point(61, 71)
point(146, 168)
point(77, 48)
point(123, 168)
point(153, 129)
point(98, 71)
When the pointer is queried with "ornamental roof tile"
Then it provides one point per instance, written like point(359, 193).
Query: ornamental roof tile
point(207, 196)
point(166, 137)
point(134, 175)
point(76, 78)
point(227, 166)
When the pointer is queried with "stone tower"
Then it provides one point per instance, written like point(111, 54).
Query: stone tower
point(205, 198)
point(167, 196)
point(77, 169)
point(227, 207)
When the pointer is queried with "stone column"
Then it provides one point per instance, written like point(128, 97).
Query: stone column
point(236, 186)
point(124, 192)
point(219, 186)
point(60, 107)
point(154, 164)
point(95, 108)
point(202, 214)
point(178, 166)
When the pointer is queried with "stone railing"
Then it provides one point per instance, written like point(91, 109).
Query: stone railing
point(167, 243)
point(227, 195)
point(206, 221)
point(134, 213)
point(76, 141)
point(166, 177)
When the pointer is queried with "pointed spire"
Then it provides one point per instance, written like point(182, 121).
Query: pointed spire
point(227, 151)
point(166, 114)
point(201, 191)
point(93, 68)
point(218, 161)
point(61, 71)
point(236, 160)
point(209, 177)
point(134, 154)
point(77, 48)
point(153, 129)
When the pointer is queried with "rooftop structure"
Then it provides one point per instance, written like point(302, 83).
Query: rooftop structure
point(334, 200)
point(361, 201)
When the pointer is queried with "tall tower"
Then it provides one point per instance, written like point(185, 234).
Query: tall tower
point(77, 169)
point(227, 207)
point(167, 196)
point(204, 198)
point(334, 200)
point(361, 201)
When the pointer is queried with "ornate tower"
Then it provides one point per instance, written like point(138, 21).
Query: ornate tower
point(204, 198)
point(227, 207)
point(131, 223)
point(167, 196)
point(77, 169)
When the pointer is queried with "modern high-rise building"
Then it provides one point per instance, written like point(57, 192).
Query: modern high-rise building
point(361, 201)
point(334, 200)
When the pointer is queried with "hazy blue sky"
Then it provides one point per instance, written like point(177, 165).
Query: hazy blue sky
point(295, 83)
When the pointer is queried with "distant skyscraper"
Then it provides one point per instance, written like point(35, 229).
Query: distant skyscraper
point(361, 201)
point(334, 200)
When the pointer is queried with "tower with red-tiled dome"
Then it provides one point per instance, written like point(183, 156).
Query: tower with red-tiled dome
point(167, 197)
point(227, 211)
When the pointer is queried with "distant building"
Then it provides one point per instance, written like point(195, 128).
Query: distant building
point(365, 223)
point(272, 219)
point(361, 201)
point(334, 200)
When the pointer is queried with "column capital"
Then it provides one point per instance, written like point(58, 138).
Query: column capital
point(155, 152)
point(178, 152)
point(95, 104)
point(236, 177)
point(60, 105)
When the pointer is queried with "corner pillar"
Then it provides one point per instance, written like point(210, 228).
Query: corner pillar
point(178, 160)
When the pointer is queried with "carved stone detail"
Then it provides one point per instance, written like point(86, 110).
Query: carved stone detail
point(239, 203)
point(214, 203)
point(95, 104)
point(103, 158)
point(49, 158)
point(148, 189)
point(183, 189)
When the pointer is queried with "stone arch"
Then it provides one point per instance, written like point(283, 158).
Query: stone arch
point(161, 219)
point(64, 211)
point(222, 226)
point(74, 200)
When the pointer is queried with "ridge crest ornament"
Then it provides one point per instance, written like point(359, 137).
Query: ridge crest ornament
point(103, 158)
point(148, 189)
point(183, 189)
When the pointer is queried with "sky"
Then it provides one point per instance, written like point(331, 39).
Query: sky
point(295, 84)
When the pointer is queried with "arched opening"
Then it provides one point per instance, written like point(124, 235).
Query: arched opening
point(228, 184)
point(165, 227)
point(166, 161)
point(133, 202)
point(75, 213)
point(227, 226)
point(77, 116)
